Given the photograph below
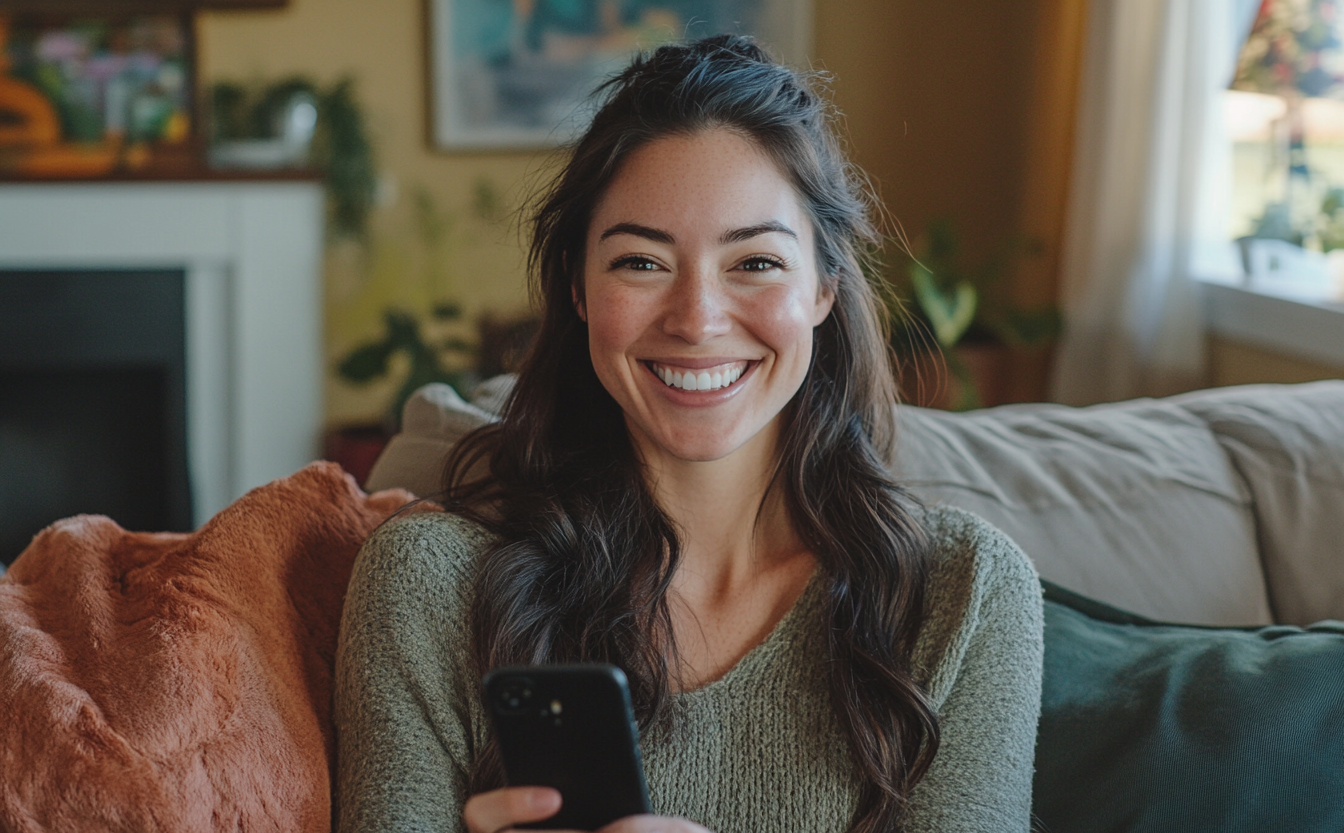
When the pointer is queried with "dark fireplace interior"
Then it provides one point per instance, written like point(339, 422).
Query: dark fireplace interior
point(92, 401)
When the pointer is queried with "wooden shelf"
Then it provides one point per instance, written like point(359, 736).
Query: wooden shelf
point(115, 7)
point(202, 174)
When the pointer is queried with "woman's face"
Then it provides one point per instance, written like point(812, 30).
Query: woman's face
point(700, 290)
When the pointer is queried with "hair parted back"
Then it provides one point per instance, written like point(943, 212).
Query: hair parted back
point(585, 556)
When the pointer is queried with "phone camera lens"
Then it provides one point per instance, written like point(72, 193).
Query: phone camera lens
point(514, 696)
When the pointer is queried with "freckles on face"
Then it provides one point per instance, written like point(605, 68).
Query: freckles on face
point(701, 292)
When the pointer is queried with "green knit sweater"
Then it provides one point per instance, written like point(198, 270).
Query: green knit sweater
point(757, 751)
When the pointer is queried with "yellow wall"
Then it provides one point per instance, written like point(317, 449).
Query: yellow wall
point(953, 113)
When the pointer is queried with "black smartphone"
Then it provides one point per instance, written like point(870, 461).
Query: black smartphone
point(570, 727)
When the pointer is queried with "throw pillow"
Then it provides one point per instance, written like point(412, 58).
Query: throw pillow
point(1155, 727)
point(1133, 502)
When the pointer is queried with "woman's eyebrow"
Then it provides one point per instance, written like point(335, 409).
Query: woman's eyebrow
point(737, 235)
point(656, 235)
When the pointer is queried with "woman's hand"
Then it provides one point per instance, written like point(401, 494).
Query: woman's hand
point(499, 810)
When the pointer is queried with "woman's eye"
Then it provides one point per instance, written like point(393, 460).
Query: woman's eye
point(637, 264)
point(761, 264)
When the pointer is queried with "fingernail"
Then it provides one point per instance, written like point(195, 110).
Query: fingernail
point(544, 799)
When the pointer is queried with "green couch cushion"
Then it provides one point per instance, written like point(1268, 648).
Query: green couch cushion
point(1154, 727)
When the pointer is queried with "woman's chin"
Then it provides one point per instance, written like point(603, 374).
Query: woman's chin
point(706, 443)
point(693, 452)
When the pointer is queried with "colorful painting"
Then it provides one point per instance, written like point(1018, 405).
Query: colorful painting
point(105, 78)
point(87, 96)
point(518, 73)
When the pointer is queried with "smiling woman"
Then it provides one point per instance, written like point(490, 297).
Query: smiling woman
point(694, 273)
point(689, 483)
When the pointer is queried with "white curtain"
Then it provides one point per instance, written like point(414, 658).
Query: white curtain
point(1148, 196)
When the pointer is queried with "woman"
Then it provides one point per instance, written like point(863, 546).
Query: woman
point(689, 483)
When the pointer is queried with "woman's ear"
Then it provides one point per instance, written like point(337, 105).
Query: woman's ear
point(578, 302)
point(825, 300)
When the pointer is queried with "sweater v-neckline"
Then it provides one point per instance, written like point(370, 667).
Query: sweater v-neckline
point(757, 655)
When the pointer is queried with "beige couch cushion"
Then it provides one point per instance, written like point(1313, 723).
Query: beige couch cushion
point(432, 420)
point(1287, 442)
point(1134, 504)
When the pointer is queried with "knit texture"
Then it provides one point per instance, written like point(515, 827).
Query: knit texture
point(759, 750)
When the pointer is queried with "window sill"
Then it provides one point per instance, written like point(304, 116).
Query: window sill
point(1309, 325)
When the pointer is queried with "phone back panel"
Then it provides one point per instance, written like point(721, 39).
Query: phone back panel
point(570, 727)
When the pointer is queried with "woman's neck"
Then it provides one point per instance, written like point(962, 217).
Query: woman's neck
point(730, 521)
point(742, 565)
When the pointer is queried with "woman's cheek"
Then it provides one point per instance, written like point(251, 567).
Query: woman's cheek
point(786, 315)
point(615, 318)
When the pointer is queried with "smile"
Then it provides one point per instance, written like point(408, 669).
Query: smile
point(709, 378)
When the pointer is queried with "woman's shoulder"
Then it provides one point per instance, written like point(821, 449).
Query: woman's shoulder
point(968, 550)
point(424, 553)
point(978, 578)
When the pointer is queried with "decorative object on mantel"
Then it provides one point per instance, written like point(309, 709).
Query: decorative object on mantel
point(89, 95)
point(295, 123)
point(954, 329)
point(517, 75)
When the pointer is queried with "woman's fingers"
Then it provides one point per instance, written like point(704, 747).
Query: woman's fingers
point(652, 824)
point(497, 810)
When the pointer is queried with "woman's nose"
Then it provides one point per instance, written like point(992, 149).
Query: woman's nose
point(697, 308)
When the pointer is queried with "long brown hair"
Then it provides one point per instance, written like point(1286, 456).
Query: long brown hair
point(585, 555)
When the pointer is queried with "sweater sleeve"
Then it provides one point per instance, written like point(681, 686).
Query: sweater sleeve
point(405, 702)
point(986, 626)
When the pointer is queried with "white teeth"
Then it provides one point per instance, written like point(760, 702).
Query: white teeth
point(704, 380)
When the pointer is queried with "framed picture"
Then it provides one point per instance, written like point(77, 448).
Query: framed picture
point(82, 94)
point(516, 74)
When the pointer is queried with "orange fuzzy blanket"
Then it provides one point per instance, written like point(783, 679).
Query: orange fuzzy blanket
point(172, 681)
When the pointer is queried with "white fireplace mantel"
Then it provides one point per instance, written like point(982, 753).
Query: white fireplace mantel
point(251, 252)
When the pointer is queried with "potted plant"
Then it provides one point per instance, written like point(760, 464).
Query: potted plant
point(447, 359)
point(296, 123)
point(954, 328)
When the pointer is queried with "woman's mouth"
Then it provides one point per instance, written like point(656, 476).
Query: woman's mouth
point(707, 378)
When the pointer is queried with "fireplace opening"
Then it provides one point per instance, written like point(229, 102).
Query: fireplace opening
point(92, 401)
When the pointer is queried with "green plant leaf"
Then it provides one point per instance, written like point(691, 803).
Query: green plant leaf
point(967, 396)
point(455, 345)
point(403, 332)
point(1029, 327)
point(950, 314)
point(366, 362)
point(347, 155)
point(447, 311)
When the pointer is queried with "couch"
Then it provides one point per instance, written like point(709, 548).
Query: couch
point(1188, 548)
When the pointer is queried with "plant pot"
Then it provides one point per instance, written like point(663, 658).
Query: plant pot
point(355, 448)
point(929, 382)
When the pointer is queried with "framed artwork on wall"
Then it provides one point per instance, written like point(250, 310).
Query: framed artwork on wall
point(517, 74)
point(81, 95)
